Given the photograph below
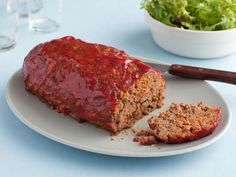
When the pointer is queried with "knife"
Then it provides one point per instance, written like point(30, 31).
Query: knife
point(195, 72)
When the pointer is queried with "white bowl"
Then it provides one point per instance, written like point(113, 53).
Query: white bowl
point(193, 44)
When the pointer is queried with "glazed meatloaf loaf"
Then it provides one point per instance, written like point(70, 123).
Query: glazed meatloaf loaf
point(93, 82)
point(181, 123)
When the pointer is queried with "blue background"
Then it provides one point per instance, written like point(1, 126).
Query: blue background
point(120, 24)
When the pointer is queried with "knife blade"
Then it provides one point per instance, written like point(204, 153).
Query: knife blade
point(194, 72)
point(163, 68)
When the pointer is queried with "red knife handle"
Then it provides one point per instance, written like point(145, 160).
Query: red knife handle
point(203, 73)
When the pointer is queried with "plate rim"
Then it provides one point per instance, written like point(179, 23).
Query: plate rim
point(107, 151)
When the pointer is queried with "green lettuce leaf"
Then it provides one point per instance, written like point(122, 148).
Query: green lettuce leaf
point(203, 15)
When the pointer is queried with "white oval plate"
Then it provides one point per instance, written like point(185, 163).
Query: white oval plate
point(55, 126)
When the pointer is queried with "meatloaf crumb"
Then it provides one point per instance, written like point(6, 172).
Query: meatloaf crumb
point(181, 123)
point(145, 137)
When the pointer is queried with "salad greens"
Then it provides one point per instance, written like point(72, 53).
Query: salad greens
point(203, 15)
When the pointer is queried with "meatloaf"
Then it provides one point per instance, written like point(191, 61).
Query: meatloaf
point(181, 123)
point(93, 82)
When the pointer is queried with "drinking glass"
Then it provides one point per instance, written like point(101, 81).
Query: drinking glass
point(23, 7)
point(8, 23)
point(47, 18)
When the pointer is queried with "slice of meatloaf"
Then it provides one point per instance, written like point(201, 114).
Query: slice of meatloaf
point(93, 82)
point(181, 123)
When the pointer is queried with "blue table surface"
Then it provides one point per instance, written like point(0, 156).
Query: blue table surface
point(24, 153)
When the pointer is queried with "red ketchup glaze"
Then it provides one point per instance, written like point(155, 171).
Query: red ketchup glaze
point(83, 78)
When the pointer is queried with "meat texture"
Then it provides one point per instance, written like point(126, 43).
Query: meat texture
point(180, 123)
